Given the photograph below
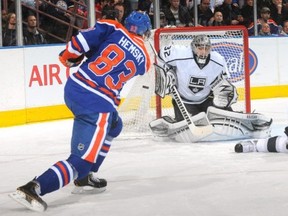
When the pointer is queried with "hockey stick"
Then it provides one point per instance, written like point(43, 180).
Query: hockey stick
point(199, 131)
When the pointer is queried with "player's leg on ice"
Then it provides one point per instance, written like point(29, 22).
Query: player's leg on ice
point(89, 132)
point(91, 183)
point(56, 177)
point(271, 144)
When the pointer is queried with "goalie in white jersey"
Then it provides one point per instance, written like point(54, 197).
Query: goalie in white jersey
point(201, 78)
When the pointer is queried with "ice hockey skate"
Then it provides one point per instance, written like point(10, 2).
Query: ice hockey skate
point(89, 185)
point(246, 146)
point(26, 195)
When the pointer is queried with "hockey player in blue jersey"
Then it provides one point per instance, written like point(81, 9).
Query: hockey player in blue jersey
point(114, 54)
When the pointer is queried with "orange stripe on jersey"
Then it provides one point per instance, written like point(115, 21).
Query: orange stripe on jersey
point(103, 90)
point(89, 82)
point(75, 44)
point(101, 133)
point(64, 171)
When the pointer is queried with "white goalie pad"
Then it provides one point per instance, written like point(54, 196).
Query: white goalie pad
point(168, 129)
point(239, 125)
point(227, 125)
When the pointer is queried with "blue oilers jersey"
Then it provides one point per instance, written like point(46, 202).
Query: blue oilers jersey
point(114, 56)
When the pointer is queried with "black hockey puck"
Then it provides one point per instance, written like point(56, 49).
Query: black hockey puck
point(238, 148)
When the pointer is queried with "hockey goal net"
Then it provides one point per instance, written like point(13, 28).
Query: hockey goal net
point(140, 104)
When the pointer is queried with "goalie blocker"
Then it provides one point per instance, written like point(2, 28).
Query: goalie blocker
point(227, 125)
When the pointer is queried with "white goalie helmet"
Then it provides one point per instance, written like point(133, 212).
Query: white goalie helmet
point(201, 47)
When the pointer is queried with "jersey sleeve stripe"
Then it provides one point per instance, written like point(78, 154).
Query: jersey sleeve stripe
point(83, 42)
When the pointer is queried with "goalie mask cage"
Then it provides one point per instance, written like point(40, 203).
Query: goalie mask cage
point(140, 104)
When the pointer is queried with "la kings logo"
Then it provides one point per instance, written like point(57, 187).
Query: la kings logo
point(196, 84)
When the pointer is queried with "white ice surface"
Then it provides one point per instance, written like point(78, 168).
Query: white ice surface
point(148, 178)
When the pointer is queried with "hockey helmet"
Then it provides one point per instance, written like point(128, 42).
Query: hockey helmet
point(138, 23)
point(201, 47)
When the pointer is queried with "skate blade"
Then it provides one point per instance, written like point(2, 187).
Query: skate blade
point(33, 204)
point(87, 190)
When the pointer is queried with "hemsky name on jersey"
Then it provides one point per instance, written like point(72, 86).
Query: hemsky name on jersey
point(127, 45)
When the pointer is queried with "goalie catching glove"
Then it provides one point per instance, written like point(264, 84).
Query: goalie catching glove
point(68, 61)
point(225, 94)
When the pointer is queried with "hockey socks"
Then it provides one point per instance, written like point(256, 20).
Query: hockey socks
point(56, 177)
point(102, 154)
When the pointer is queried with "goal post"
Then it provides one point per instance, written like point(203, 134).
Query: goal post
point(141, 105)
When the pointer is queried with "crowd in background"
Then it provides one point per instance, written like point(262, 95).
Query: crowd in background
point(55, 21)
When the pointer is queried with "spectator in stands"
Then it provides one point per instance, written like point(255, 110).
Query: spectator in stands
point(238, 3)
point(177, 15)
point(247, 12)
point(127, 7)
point(4, 18)
point(107, 8)
point(190, 4)
point(31, 36)
point(9, 33)
point(265, 30)
point(284, 31)
point(231, 13)
point(163, 21)
point(264, 18)
point(204, 13)
point(110, 14)
point(263, 3)
point(119, 7)
point(144, 5)
point(57, 27)
point(214, 4)
point(99, 7)
point(79, 13)
point(217, 19)
point(147, 6)
point(26, 7)
point(278, 12)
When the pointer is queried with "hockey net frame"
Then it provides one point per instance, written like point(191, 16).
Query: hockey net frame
point(141, 105)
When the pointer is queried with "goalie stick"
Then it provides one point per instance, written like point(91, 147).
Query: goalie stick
point(199, 131)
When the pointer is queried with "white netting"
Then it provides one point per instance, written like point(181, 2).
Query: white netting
point(139, 106)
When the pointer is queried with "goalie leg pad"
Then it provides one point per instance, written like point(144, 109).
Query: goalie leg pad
point(239, 125)
point(179, 131)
